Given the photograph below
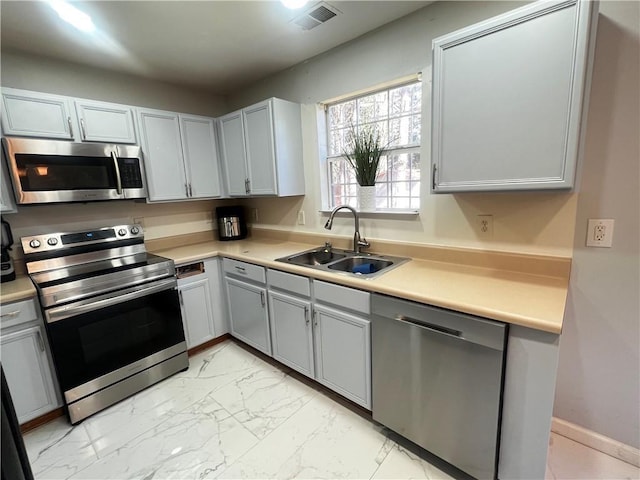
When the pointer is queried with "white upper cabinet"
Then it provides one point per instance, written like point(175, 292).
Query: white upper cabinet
point(181, 157)
point(234, 154)
point(105, 122)
point(33, 114)
point(163, 160)
point(508, 99)
point(200, 155)
point(261, 149)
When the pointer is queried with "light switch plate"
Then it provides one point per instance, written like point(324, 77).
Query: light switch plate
point(600, 232)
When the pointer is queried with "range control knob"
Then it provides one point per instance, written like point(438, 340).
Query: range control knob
point(34, 243)
point(52, 241)
point(122, 232)
point(135, 230)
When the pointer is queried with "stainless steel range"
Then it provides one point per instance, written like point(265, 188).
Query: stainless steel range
point(112, 314)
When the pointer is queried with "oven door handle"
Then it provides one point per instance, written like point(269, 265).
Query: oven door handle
point(113, 298)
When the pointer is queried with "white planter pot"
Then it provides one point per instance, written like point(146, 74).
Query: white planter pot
point(367, 198)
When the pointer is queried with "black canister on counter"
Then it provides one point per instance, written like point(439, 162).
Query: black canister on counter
point(231, 223)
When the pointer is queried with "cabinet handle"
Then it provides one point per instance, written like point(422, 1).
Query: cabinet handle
point(186, 189)
point(241, 269)
point(40, 341)
point(306, 315)
point(70, 126)
point(83, 130)
point(262, 298)
point(10, 314)
point(190, 190)
point(247, 186)
point(181, 299)
point(433, 176)
point(315, 317)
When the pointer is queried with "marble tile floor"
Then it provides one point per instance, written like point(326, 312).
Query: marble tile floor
point(233, 415)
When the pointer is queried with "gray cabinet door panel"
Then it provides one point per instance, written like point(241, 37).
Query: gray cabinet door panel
point(248, 312)
point(291, 332)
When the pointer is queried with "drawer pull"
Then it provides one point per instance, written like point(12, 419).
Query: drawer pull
point(241, 269)
point(10, 314)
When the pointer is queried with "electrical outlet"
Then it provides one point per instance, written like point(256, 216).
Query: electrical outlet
point(255, 215)
point(484, 226)
point(301, 219)
point(600, 232)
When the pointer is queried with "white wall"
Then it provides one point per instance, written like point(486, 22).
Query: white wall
point(32, 72)
point(534, 222)
point(598, 378)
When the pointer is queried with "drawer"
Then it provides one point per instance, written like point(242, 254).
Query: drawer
point(18, 312)
point(244, 270)
point(289, 282)
point(343, 297)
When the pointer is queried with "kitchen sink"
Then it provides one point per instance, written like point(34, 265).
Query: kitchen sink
point(338, 261)
point(318, 256)
point(361, 264)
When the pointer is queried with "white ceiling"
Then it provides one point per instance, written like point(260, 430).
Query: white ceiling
point(217, 45)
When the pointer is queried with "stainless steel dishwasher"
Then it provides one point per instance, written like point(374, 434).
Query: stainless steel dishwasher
point(437, 380)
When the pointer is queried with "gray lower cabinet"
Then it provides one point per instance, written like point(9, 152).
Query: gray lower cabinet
point(195, 304)
point(26, 362)
point(291, 332)
point(343, 353)
point(322, 330)
point(247, 300)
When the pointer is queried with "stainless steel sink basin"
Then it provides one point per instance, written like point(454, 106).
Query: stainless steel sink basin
point(361, 264)
point(315, 257)
point(344, 262)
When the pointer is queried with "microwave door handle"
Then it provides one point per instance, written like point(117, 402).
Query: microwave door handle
point(118, 180)
point(60, 313)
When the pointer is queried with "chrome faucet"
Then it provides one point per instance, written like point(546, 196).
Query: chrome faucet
point(358, 242)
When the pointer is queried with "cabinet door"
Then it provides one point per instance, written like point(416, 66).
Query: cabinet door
point(291, 333)
point(261, 163)
point(218, 296)
point(7, 200)
point(105, 122)
point(163, 161)
point(25, 364)
point(200, 156)
point(33, 114)
point(233, 153)
point(197, 315)
point(508, 100)
point(248, 313)
point(343, 354)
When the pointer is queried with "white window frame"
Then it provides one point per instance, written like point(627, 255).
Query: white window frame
point(414, 193)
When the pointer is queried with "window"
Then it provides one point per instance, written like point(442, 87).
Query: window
point(396, 114)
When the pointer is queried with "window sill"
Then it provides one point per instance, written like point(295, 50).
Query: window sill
point(390, 214)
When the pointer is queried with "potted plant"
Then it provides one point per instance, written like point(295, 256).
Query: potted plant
point(365, 150)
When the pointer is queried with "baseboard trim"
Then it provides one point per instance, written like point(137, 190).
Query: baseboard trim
point(41, 420)
point(208, 344)
point(594, 440)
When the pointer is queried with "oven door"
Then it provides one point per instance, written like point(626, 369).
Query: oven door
point(102, 340)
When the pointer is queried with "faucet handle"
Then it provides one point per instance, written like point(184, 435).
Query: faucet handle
point(327, 246)
point(362, 243)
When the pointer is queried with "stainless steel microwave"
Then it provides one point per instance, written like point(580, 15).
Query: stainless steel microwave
point(49, 171)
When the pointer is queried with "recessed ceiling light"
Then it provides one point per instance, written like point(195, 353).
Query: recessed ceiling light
point(294, 4)
point(72, 15)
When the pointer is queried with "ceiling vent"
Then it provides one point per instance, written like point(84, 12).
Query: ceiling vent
point(316, 15)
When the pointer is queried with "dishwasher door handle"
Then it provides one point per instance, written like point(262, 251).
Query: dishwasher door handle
point(431, 327)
